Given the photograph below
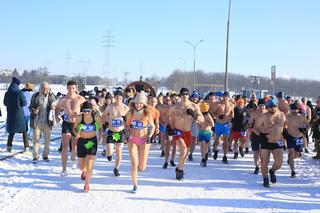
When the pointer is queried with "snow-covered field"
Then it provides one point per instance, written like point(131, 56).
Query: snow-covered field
point(25, 187)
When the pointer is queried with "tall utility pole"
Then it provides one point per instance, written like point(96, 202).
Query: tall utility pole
point(108, 42)
point(85, 65)
point(227, 51)
point(194, 46)
point(126, 79)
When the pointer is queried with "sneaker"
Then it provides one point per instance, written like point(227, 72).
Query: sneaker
point(116, 172)
point(224, 159)
point(317, 157)
point(63, 173)
point(172, 163)
point(103, 153)
point(179, 174)
point(215, 155)
point(241, 151)
point(203, 163)
point(86, 187)
point(60, 149)
point(266, 182)
point(293, 174)
point(46, 159)
point(9, 148)
point(246, 150)
point(165, 165)
point(273, 177)
point(190, 157)
point(230, 149)
point(109, 158)
point(134, 190)
point(256, 170)
point(235, 155)
point(35, 160)
point(206, 157)
point(83, 175)
point(74, 164)
point(162, 154)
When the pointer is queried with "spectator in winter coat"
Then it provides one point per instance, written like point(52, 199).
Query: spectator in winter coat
point(14, 100)
point(27, 92)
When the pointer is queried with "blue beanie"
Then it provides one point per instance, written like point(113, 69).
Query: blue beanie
point(194, 95)
point(15, 80)
point(271, 103)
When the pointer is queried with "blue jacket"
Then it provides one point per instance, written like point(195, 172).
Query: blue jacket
point(14, 100)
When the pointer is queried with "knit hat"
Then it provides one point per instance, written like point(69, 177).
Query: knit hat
point(270, 104)
point(15, 80)
point(29, 86)
point(140, 98)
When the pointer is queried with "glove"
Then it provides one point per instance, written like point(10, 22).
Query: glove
point(148, 141)
point(192, 113)
point(221, 117)
point(302, 130)
point(285, 134)
point(169, 130)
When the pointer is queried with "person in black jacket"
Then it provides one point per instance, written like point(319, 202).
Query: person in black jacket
point(14, 100)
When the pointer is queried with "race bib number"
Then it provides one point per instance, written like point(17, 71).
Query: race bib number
point(280, 143)
point(299, 141)
point(88, 128)
point(137, 124)
point(66, 117)
point(117, 122)
point(177, 132)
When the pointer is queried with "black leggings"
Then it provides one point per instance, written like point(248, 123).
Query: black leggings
point(24, 136)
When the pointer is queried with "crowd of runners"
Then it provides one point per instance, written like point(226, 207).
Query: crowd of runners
point(178, 121)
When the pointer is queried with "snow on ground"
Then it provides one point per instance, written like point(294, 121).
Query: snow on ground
point(25, 187)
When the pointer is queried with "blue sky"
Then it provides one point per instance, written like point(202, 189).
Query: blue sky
point(150, 35)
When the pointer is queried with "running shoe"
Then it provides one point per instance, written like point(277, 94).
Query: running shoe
point(256, 170)
point(86, 187)
point(266, 182)
point(103, 153)
point(203, 163)
point(45, 159)
point(293, 174)
point(172, 163)
point(116, 172)
point(306, 150)
point(162, 154)
point(109, 158)
point(190, 157)
point(9, 148)
point(63, 173)
point(179, 174)
point(35, 160)
point(235, 155)
point(241, 151)
point(224, 159)
point(165, 165)
point(246, 151)
point(273, 177)
point(215, 155)
point(134, 190)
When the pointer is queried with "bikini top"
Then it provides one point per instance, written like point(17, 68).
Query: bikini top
point(138, 124)
point(88, 127)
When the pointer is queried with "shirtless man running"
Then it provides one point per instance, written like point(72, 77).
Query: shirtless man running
point(181, 116)
point(283, 105)
point(224, 115)
point(296, 125)
point(270, 127)
point(114, 118)
point(71, 104)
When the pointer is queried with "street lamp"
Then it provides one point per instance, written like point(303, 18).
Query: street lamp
point(227, 50)
point(194, 60)
point(185, 71)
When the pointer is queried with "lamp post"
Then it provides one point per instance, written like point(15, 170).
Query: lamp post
point(185, 71)
point(194, 60)
point(227, 50)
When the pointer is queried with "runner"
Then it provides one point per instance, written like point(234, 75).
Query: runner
point(254, 132)
point(114, 119)
point(316, 131)
point(155, 114)
point(205, 132)
point(239, 122)
point(108, 100)
point(283, 105)
point(194, 127)
point(271, 127)
point(166, 140)
point(140, 127)
point(71, 104)
point(296, 125)
point(85, 129)
point(181, 116)
point(224, 114)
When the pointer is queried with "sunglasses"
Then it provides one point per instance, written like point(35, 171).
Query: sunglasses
point(86, 110)
point(184, 94)
point(272, 106)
